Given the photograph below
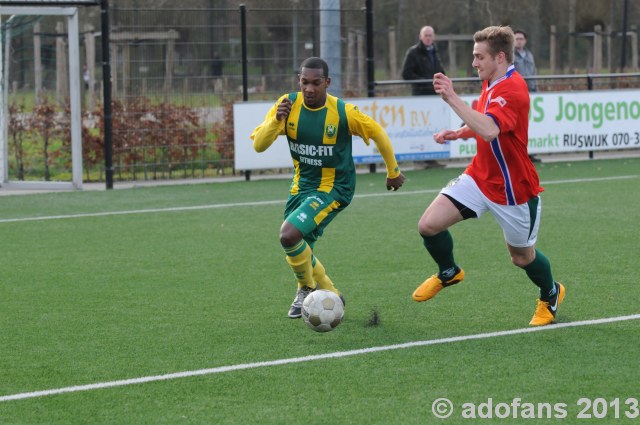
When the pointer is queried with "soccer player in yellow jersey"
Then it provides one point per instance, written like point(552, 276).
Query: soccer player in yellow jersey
point(319, 129)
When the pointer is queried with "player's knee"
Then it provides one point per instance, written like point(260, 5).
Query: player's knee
point(520, 260)
point(289, 235)
point(426, 228)
point(287, 239)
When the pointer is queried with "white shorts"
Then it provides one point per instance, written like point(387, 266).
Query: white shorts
point(519, 223)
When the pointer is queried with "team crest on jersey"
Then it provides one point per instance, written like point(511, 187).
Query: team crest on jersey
point(330, 130)
point(500, 101)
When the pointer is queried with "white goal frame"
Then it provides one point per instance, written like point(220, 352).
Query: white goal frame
point(74, 96)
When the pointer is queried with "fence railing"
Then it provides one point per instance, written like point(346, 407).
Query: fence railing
point(191, 55)
point(468, 85)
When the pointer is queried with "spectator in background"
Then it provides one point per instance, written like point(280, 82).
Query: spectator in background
point(524, 61)
point(216, 72)
point(421, 62)
point(85, 77)
point(525, 65)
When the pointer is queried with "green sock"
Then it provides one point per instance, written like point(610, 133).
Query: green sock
point(539, 271)
point(440, 246)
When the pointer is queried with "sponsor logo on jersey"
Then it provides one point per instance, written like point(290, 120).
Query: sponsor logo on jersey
point(311, 150)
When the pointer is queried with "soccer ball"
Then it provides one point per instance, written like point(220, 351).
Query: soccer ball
point(322, 310)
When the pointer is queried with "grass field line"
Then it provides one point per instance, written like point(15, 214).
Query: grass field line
point(259, 203)
point(339, 354)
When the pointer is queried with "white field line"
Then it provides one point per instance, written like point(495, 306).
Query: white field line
point(339, 354)
point(258, 203)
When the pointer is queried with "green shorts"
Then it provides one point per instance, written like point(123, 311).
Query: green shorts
point(311, 212)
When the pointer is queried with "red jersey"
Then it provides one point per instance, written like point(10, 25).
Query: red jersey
point(502, 168)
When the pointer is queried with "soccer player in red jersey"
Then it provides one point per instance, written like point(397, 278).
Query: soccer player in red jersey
point(501, 178)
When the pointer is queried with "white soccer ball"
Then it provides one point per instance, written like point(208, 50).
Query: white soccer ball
point(322, 310)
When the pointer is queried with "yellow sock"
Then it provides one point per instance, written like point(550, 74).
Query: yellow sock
point(299, 259)
point(320, 276)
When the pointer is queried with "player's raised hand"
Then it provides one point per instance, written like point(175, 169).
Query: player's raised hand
point(284, 108)
point(443, 85)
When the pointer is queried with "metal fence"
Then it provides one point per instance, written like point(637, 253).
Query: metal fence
point(177, 70)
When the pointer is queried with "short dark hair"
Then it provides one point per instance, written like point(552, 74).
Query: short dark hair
point(520, 32)
point(316, 63)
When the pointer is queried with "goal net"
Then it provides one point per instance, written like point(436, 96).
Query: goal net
point(40, 92)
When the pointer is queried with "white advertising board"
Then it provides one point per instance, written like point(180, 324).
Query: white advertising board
point(410, 123)
point(574, 122)
point(558, 122)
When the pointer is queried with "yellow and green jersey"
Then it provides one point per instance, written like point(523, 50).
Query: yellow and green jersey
point(320, 142)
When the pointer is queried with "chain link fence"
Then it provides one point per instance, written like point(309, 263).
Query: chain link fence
point(177, 69)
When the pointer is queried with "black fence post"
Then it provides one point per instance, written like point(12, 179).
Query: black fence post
point(370, 60)
point(245, 77)
point(107, 111)
point(623, 55)
point(243, 31)
point(590, 87)
point(371, 76)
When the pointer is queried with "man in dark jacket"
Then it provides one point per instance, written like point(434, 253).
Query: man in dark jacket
point(421, 62)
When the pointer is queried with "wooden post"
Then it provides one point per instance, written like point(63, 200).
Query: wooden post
point(393, 55)
point(114, 70)
point(62, 79)
point(126, 40)
point(362, 62)
point(572, 30)
point(553, 43)
point(37, 60)
point(610, 35)
point(168, 79)
point(453, 43)
point(609, 50)
point(633, 34)
point(453, 64)
point(597, 49)
point(126, 69)
point(351, 59)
